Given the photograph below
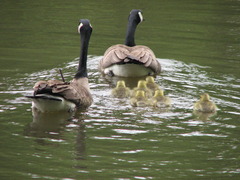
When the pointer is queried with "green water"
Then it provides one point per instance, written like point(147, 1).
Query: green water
point(198, 45)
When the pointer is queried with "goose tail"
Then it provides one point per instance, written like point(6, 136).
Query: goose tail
point(50, 103)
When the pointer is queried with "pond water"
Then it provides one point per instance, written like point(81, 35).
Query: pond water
point(197, 43)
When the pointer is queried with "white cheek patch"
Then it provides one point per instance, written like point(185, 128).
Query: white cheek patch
point(140, 16)
point(79, 27)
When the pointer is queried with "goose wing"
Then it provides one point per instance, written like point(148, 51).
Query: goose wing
point(75, 93)
point(121, 53)
point(113, 55)
point(146, 56)
point(69, 91)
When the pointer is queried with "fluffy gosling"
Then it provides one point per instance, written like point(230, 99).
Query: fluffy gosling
point(159, 100)
point(205, 104)
point(121, 91)
point(139, 99)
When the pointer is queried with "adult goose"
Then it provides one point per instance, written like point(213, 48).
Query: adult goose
point(130, 60)
point(55, 95)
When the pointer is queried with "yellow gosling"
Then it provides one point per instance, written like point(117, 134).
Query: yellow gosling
point(205, 104)
point(139, 99)
point(121, 91)
point(159, 100)
point(142, 86)
point(150, 82)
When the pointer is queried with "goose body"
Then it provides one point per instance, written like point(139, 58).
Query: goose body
point(121, 91)
point(55, 95)
point(205, 105)
point(129, 59)
point(159, 100)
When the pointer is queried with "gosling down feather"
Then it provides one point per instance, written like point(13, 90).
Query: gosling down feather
point(139, 99)
point(159, 100)
point(142, 86)
point(121, 91)
point(205, 104)
point(130, 60)
point(55, 95)
point(150, 82)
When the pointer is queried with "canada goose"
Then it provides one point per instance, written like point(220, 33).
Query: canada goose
point(205, 104)
point(139, 99)
point(142, 86)
point(55, 95)
point(151, 84)
point(159, 100)
point(121, 91)
point(130, 60)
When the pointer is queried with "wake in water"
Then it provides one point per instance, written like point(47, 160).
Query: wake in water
point(182, 82)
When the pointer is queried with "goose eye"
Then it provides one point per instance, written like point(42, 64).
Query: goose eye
point(79, 27)
point(140, 16)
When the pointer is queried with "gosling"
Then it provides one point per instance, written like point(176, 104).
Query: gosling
point(139, 99)
point(150, 82)
point(159, 100)
point(142, 85)
point(121, 91)
point(205, 104)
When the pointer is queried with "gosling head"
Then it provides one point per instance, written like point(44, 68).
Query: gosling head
point(121, 84)
point(150, 79)
point(205, 97)
point(140, 93)
point(142, 84)
point(158, 93)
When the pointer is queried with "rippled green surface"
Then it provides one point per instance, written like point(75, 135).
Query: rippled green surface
point(197, 43)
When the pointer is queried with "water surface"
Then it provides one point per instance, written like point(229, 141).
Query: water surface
point(197, 44)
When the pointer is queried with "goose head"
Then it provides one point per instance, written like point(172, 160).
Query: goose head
point(136, 15)
point(84, 26)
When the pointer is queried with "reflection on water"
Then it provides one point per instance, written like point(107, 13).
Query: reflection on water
point(203, 116)
point(49, 125)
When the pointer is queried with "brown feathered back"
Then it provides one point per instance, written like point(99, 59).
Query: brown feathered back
point(122, 54)
point(77, 91)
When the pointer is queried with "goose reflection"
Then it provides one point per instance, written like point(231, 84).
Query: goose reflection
point(53, 125)
point(47, 125)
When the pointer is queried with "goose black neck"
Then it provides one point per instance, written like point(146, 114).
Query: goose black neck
point(131, 28)
point(82, 66)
